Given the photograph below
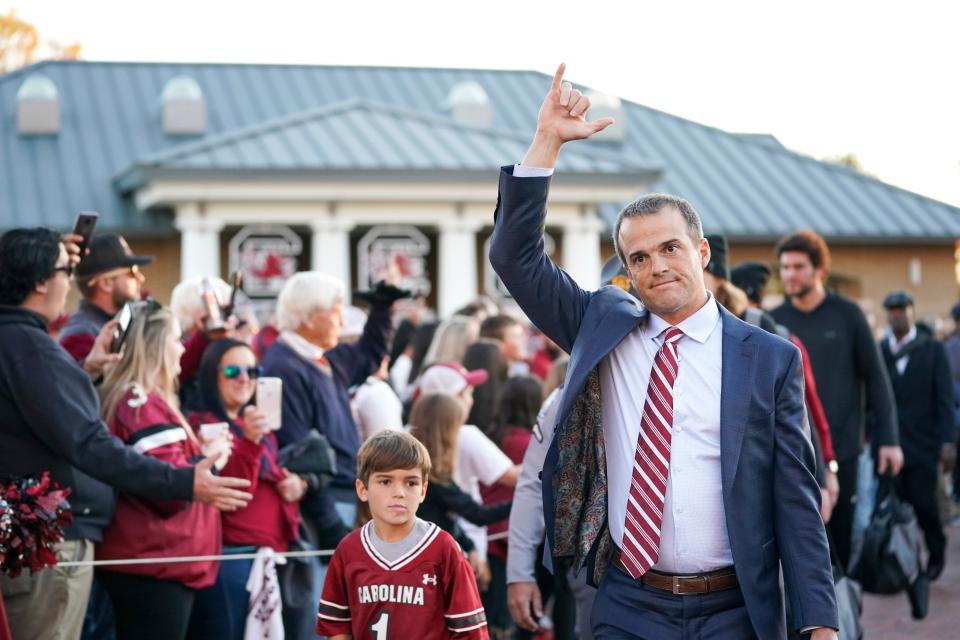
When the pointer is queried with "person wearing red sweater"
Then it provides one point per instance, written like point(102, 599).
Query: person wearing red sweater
point(139, 404)
point(516, 415)
point(227, 377)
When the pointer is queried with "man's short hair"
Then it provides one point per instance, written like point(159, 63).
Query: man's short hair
point(495, 327)
point(304, 293)
point(655, 203)
point(389, 450)
point(27, 258)
point(808, 242)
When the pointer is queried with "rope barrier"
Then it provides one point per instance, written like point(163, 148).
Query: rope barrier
point(180, 559)
point(312, 553)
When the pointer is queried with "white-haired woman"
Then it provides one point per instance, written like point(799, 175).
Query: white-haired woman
point(139, 403)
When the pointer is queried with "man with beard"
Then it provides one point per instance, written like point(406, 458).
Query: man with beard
point(108, 278)
point(846, 363)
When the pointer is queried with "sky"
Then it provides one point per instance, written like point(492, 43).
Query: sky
point(878, 79)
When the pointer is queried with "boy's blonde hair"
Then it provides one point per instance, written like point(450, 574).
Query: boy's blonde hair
point(390, 450)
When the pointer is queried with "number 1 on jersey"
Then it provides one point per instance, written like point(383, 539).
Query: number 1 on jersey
point(380, 626)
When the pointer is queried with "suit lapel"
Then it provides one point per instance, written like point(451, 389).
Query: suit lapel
point(610, 327)
point(739, 363)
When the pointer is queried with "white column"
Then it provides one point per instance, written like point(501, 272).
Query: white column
point(581, 248)
point(199, 241)
point(456, 265)
point(330, 250)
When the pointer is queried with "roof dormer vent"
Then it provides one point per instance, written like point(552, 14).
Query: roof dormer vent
point(38, 106)
point(468, 103)
point(184, 107)
point(603, 105)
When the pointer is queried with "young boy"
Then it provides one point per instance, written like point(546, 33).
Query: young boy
point(398, 576)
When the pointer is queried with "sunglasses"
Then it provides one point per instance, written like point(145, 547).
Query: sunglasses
point(68, 269)
point(233, 371)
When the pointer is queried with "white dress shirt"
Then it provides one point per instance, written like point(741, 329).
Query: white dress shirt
point(301, 346)
point(693, 534)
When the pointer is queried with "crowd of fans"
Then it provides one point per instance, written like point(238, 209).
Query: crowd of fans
point(168, 454)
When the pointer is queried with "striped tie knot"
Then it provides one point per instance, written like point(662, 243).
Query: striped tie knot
point(672, 335)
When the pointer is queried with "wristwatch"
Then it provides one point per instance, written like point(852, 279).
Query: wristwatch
point(833, 466)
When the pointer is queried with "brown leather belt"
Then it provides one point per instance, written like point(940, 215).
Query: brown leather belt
point(719, 580)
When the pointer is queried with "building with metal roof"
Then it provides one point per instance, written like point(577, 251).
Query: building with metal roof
point(193, 153)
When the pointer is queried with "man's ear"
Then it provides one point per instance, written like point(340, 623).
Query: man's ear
point(41, 287)
point(423, 490)
point(821, 274)
point(704, 253)
point(361, 491)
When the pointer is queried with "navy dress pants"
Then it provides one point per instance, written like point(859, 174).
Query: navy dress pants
point(627, 609)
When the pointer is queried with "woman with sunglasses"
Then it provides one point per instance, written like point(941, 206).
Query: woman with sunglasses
point(139, 403)
point(228, 380)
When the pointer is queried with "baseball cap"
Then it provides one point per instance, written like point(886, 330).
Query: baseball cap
point(109, 252)
point(450, 378)
point(752, 277)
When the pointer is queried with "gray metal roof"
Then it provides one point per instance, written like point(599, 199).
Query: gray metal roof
point(362, 136)
point(746, 186)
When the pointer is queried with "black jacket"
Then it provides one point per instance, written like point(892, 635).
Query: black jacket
point(924, 395)
point(50, 421)
point(445, 501)
point(851, 379)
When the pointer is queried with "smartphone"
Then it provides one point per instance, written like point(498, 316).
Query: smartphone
point(120, 333)
point(213, 320)
point(269, 397)
point(214, 430)
point(236, 279)
point(84, 225)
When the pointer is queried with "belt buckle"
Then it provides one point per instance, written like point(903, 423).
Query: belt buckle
point(676, 586)
point(677, 591)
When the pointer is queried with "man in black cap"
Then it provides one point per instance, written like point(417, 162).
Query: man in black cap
point(920, 375)
point(108, 277)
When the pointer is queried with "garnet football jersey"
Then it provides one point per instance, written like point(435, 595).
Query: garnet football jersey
point(428, 593)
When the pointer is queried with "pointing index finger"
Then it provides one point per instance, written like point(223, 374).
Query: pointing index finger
point(558, 77)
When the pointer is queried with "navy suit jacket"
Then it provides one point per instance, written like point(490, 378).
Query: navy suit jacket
point(771, 498)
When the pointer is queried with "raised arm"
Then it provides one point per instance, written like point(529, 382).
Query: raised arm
point(547, 294)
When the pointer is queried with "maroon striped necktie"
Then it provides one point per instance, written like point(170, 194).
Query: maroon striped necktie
point(651, 465)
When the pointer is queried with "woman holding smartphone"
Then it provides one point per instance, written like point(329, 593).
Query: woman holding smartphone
point(228, 380)
point(139, 403)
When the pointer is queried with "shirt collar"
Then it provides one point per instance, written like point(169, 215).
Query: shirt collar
point(896, 345)
point(303, 347)
point(698, 326)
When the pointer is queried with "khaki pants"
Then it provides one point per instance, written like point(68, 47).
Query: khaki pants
point(50, 604)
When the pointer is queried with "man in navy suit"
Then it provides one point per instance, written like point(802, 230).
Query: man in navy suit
point(679, 475)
